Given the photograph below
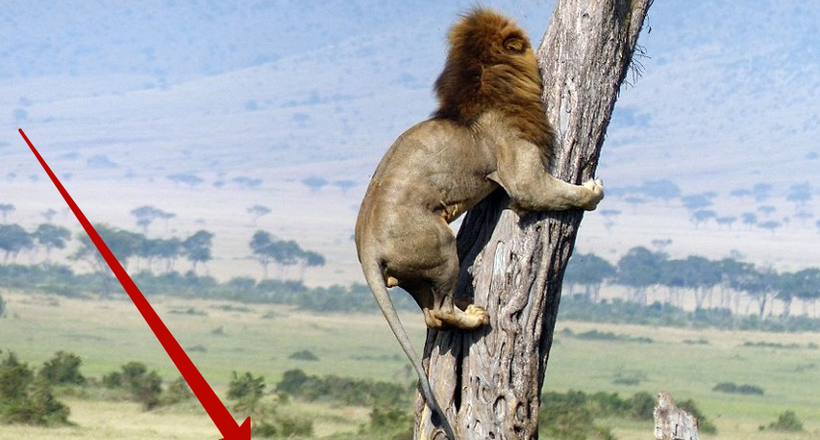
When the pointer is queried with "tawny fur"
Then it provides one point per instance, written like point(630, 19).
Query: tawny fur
point(490, 131)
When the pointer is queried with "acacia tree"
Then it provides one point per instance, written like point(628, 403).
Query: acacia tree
point(13, 239)
point(489, 381)
point(197, 248)
point(267, 249)
point(589, 271)
point(51, 237)
point(146, 215)
point(123, 244)
point(640, 269)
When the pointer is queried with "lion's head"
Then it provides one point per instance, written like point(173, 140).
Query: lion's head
point(491, 66)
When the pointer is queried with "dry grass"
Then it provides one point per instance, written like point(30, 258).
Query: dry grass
point(107, 334)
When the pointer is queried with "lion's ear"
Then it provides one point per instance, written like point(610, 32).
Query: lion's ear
point(515, 44)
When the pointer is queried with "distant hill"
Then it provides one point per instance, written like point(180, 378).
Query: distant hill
point(208, 96)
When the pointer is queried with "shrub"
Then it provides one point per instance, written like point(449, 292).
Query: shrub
point(568, 416)
point(389, 418)
point(63, 369)
point(792, 346)
point(609, 405)
point(700, 341)
point(731, 387)
point(247, 391)
point(281, 427)
point(292, 381)
point(178, 391)
point(39, 407)
point(143, 386)
point(246, 386)
point(344, 390)
point(304, 355)
point(595, 335)
point(642, 406)
point(15, 378)
point(147, 390)
point(629, 377)
point(25, 400)
point(132, 372)
point(787, 422)
point(263, 429)
point(295, 426)
point(112, 380)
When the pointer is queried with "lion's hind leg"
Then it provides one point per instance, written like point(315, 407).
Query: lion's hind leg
point(444, 314)
point(428, 270)
point(469, 318)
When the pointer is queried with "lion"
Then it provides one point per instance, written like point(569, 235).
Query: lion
point(490, 131)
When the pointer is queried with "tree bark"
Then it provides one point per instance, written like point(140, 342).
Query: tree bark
point(490, 380)
point(671, 422)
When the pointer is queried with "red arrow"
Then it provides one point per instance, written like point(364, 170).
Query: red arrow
point(223, 420)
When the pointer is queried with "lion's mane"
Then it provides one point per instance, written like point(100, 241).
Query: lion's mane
point(491, 66)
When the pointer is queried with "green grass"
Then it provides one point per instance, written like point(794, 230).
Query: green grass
point(107, 334)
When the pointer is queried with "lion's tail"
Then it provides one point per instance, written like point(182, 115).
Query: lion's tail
point(375, 280)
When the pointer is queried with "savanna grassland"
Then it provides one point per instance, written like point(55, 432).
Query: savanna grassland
point(223, 337)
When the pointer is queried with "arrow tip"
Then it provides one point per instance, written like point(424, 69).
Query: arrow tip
point(241, 432)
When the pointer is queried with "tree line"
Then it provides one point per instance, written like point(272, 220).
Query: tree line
point(716, 289)
point(727, 283)
point(138, 252)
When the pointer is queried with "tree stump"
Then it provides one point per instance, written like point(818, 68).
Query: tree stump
point(673, 423)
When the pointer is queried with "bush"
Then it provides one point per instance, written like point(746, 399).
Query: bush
point(63, 369)
point(389, 418)
point(25, 400)
point(340, 389)
point(143, 386)
point(609, 405)
point(731, 387)
point(281, 427)
point(263, 429)
point(595, 335)
point(304, 355)
point(178, 391)
point(642, 406)
point(295, 426)
point(112, 380)
point(629, 377)
point(246, 386)
point(15, 379)
point(568, 416)
point(787, 422)
point(147, 390)
point(247, 390)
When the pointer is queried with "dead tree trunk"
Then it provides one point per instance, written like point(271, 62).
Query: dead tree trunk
point(490, 380)
point(673, 423)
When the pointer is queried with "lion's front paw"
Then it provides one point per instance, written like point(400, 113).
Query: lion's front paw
point(596, 188)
